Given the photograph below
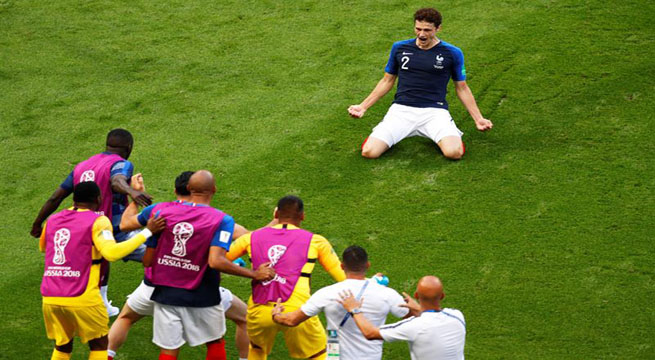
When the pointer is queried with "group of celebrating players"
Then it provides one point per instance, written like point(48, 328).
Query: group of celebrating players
point(185, 244)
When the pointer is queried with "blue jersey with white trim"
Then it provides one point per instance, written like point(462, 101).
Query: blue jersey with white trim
point(423, 75)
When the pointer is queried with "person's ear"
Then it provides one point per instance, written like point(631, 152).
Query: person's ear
point(443, 295)
point(368, 265)
point(302, 217)
point(342, 268)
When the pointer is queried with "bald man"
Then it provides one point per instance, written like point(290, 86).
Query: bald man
point(432, 332)
point(185, 261)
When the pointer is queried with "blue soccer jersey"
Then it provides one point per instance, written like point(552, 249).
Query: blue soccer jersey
point(423, 75)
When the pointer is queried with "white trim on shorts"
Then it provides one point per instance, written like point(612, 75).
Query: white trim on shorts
point(175, 325)
point(402, 121)
point(139, 300)
point(226, 298)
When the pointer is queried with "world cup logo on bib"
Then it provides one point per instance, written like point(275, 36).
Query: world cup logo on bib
point(275, 252)
point(182, 233)
point(88, 175)
point(62, 237)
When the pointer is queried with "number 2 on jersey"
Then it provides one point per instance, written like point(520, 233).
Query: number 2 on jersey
point(405, 60)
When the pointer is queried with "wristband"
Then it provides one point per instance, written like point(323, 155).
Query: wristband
point(146, 232)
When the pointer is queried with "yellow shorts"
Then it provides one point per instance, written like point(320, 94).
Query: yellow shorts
point(302, 341)
point(62, 323)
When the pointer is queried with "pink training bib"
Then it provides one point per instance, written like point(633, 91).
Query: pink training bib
point(97, 168)
point(183, 247)
point(286, 250)
point(68, 254)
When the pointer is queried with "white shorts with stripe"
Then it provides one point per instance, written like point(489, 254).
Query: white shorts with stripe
point(403, 121)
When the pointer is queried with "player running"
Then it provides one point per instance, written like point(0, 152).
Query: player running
point(111, 171)
point(75, 240)
point(187, 289)
point(293, 253)
point(423, 67)
point(138, 303)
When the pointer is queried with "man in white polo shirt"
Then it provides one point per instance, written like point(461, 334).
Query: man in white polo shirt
point(380, 301)
point(432, 333)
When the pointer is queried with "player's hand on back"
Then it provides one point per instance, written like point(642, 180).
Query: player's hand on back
point(156, 224)
point(277, 309)
point(264, 272)
point(348, 301)
point(137, 182)
point(356, 111)
point(484, 124)
point(141, 198)
point(411, 304)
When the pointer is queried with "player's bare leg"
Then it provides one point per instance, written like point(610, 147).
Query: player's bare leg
point(451, 147)
point(166, 354)
point(373, 148)
point(237, 313)
point(120, 327)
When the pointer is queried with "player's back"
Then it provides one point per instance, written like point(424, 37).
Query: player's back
point(441, 335)
point(182, 251)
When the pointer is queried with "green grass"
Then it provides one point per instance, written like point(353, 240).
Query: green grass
point(543, 234)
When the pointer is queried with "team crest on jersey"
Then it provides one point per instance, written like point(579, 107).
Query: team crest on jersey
point(88, 175)
point(439, 62)
point(182, 232)
point(274, 253)
point(62, 237)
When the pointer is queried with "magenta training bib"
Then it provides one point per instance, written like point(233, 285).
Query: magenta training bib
point(97, 168)
point(68, 253)
point(147, 272)
point(183, 247)
point(286, 250)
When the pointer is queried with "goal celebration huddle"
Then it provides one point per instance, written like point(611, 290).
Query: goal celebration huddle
point(185, 243)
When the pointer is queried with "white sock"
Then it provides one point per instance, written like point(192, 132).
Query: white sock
point(243, 358)
point(111, 353)
point(103, 293)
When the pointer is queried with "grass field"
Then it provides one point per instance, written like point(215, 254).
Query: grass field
point(543, 233)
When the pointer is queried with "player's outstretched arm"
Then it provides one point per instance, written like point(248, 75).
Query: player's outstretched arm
point(465, 95)
point(119, 184)
point(218, 261)
point(381, 89)
point(48, 208)
point(293, 318)
point(110, 249)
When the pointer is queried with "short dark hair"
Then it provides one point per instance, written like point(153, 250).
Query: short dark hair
point(290, 207)
point(120, 138)
point(181, 182)
point(430, 15)
point(86, 192)
point(355, 259)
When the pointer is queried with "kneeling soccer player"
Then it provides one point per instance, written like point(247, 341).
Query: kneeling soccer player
point(75, 241)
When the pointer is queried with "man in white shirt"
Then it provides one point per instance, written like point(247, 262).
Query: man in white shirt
point(432, 332)
point(380, 301)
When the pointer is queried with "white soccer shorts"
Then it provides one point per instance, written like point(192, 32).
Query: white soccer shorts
point(139, 300)
point(174, 325)
point(403, 121)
